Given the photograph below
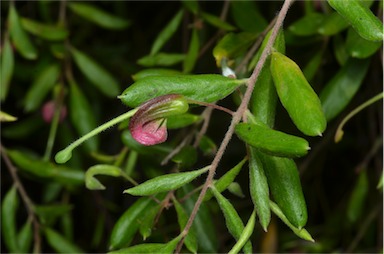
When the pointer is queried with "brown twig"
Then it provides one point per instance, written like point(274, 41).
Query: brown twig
point(236, 119)
point(26, 200)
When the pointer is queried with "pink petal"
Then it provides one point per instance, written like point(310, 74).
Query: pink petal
point(151, 133)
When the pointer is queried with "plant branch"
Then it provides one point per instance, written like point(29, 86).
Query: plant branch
point(236, 118)
point(24, 196)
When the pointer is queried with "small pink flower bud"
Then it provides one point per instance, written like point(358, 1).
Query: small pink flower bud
point(48, 111)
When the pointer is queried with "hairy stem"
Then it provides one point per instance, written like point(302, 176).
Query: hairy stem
point(236, 118)
point(26, 200)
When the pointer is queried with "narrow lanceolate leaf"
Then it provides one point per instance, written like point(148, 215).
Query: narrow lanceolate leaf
point(147, 222)
point(165, 183)
point(245, 235)
point(264, 97)
point(271, 141)
point(232, 45)
point(96, 74)
point(166, 248)
point(161, 59)
point(128, 224)
point(332, 24)
point(6, 68)
point(217, 22)
point(339, 91)
point(302, 233)
point(307, 25)
point(233, 221)
point(204, 87)
point(366, 24)
point(258, 188)
point(8, 217)
point(297, 95)
point(45, 31)
point(182, 217)
point(207, 236)
point(59, 243)
point(154, 72)
point(358, 197)
point(25, 237)
point(193, 52)
point(359, 47)
point(41, 86)
point(226, 179)
point(98, 16)
point(82, 115)
point(92, 183)
point(284, 184)
point(166, 33)
point(19, 37)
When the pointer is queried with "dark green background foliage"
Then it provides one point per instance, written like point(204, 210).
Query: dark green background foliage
point(84, 61)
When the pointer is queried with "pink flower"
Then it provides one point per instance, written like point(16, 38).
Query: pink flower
point(148, 124)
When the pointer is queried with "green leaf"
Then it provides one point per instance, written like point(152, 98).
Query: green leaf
point(193, 52)
point(150, 248)
point(236, 190)
point(332, 24)
point(217, 22)
point(232, 220)
point(127, 225)
point(264, 98)
point(366, 24)
point(45, 31)
point(204, 87)
point(96, 74)
point(339, 49)
point(245, 235)
point(102, 169)
point(41, 86)
point(247, 16)
point(19, 37)
point(47, 170)
point(284, 184)
point(182, 218)
point(313, 65)
point(182, 120)
point(48, 214)
point(147, 222)
point(207, 146)
point(302, 233)
point(165, 183)
point(207, 237)
point(59, 243)
point(307, 25)
point(191, 5)
point(6, 68)
point(98, 16)
point(359, 47)
point(25, 237)
point(9, 207)
point(258, 188)
point(186, 157)
point(154, 72)
point(161, 59)
point(166, 33)
point(358, 197)
point(339, 91)
point(82, 115)
point(232, 45)
point(223, 182)
point(297, 95)
point(271, 141)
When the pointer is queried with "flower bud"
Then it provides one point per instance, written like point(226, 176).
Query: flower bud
point(148, 124)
